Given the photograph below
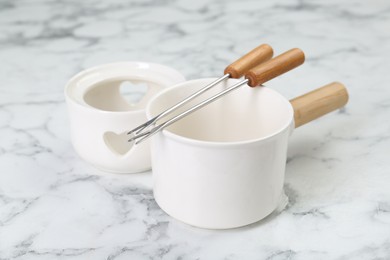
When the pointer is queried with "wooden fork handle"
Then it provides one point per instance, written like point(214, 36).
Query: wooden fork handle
point(275, 67)
point(253, 58)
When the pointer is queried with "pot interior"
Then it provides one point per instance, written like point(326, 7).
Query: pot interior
point(243, 115)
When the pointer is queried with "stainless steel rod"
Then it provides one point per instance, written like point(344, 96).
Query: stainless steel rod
point(140, 138)
point(140, 128)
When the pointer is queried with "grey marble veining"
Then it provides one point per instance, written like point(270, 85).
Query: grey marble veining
point(55, 206)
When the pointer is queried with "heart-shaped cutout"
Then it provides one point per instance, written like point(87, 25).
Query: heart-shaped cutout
point(133, 91)
point(118, 95)
point(118, 143)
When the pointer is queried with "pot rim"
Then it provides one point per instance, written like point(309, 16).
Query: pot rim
point(288, 126)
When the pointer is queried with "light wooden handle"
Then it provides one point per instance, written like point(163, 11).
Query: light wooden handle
point(253, 58)
point(319, 102)
point(275, 67)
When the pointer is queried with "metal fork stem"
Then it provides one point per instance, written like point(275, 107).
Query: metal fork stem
point(185, 113)
point(140, 128)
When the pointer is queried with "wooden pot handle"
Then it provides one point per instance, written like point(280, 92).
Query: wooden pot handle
point(319, 102)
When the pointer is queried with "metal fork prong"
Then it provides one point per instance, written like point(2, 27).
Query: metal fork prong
point(138, 128)
point(138, 136)
point(149, 134)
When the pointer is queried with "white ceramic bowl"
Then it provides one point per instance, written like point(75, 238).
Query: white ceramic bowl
point(100, 116)
point(223, 166)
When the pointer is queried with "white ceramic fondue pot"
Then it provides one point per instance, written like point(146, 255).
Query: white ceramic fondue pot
point(100, 116)
point(223, 166)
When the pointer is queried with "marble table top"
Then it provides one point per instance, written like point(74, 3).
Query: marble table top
point(55, 206)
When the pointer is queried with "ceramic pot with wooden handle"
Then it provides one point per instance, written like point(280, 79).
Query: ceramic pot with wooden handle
point(223, 166)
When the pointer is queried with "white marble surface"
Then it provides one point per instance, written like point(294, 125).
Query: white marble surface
point(55, 206)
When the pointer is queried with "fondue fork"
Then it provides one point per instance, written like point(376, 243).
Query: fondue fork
point(236, 70)
point(253, 77)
